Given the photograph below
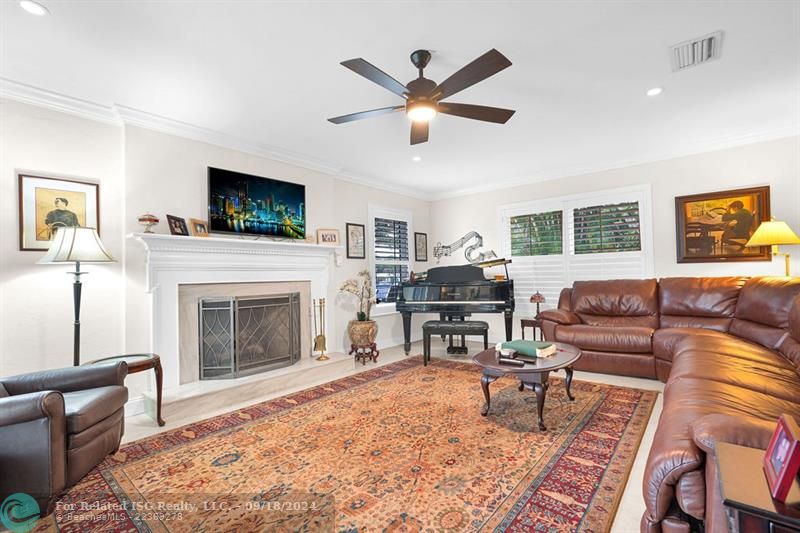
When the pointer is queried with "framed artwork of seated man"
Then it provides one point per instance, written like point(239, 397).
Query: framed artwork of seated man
point(715, 227)
point(47, 203)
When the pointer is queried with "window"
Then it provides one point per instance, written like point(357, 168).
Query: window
point(537, 234)
point(390, 251)
point(607, 228)
point(554, 242)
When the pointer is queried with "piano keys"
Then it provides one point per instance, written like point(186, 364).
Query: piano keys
point(455, 291)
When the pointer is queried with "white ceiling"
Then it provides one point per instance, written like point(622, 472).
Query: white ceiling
point(269, 72)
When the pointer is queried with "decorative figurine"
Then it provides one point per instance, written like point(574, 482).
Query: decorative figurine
point(148, 221)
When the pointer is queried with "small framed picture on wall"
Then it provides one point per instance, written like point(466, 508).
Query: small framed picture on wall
point(356, 244)
point(47, 203)
point(420, 246)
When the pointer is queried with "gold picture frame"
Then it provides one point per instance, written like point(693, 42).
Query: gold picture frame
point(47, 203)
point(198, 228)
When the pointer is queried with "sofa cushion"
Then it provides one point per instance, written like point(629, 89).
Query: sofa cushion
point(3, 392)
point(665, 340)
point(87, 407)
point(762, 312)
point(616, 302)
point(698, 302)
point(760, 376)
point(625, 339)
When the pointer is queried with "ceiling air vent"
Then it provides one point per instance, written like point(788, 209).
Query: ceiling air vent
point(696, 51)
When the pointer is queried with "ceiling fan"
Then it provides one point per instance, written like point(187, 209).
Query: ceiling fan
point(424, 97)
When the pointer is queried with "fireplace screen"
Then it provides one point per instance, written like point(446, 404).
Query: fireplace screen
point(246, 335)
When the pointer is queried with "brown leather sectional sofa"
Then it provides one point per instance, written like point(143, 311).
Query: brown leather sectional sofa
point(729, 352)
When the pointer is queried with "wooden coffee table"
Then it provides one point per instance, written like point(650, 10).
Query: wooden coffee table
point(533, 376)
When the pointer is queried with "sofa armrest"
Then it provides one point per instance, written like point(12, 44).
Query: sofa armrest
point(560, 316)
point(68, 379)
point(31, 406)
point(33, 446)
point(742, 430)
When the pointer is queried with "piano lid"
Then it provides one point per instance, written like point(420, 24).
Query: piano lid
point(455, 274)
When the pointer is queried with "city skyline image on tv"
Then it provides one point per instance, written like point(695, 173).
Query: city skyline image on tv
point(253, 205)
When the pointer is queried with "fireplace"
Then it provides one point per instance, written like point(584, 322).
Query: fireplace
point(246, 335)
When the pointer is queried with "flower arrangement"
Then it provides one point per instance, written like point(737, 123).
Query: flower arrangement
point(361, 288)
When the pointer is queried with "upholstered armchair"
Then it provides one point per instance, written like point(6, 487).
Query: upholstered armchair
point(56, 425)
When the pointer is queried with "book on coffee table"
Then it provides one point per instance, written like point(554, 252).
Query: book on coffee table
point(530, 349)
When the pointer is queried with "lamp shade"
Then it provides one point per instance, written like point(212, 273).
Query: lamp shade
point(537, 298)
point(773, 233)
point(72, 244)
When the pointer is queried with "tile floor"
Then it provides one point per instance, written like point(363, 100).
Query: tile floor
point(630, 509)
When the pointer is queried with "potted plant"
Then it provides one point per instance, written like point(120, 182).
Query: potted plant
point(362, 330)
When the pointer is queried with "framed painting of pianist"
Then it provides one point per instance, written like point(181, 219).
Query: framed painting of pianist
point(715, 227)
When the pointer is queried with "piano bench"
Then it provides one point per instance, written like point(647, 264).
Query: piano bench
point(456, 327)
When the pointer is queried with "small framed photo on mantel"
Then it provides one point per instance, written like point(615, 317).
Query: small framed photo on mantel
point(328, 237)
point(177, 226)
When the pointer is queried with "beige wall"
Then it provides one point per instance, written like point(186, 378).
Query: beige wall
point(36, 308)
point(774, 163)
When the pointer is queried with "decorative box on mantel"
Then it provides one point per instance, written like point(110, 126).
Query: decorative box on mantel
point(171, 261)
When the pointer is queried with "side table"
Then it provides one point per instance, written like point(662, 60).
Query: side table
point(533, 323)
point(139, 362)
point(746, 496)
point(364, 352)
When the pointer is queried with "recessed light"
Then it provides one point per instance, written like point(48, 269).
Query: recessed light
point(34, 8)
point(655, 91)
point(416, 159)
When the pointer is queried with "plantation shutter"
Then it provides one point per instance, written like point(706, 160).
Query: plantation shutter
point(607, 228)
point(391, 257)
point(537, 234)
point(558, 241)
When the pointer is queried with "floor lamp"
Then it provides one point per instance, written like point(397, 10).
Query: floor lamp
point(773, 233)
point(76, 245)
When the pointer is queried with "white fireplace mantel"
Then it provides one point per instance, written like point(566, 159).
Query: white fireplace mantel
point(173, 260)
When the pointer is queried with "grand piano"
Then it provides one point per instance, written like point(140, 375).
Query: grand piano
point(455, 292)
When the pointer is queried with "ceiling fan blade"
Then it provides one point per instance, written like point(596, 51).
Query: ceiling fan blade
point(375, 75)
point(365, 114)
point(419, 132)
point(485, 66)
point(477, 112)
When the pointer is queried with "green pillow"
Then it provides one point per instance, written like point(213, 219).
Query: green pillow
point(526, 347)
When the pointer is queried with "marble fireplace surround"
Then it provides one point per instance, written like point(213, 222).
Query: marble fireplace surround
point(172, 262)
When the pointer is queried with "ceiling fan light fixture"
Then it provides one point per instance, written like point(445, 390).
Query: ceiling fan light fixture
point(421, 111)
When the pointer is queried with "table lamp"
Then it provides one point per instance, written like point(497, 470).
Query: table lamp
point(538, 299)
point(773, 233)
point(76, 245)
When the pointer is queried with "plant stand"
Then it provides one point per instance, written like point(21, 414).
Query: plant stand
point(364, 352)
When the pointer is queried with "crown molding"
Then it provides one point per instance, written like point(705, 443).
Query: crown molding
point(121, 115)
point(28, 94)
point(705, 146)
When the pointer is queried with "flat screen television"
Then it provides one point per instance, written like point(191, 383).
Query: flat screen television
point(252, 205)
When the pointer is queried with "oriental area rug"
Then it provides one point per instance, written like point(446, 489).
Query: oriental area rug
point(401, 447)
